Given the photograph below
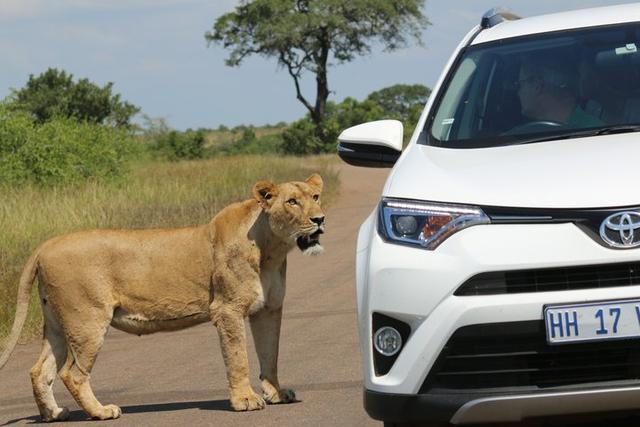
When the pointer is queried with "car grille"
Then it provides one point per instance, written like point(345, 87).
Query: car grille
point(552, 279)
point(516, 354)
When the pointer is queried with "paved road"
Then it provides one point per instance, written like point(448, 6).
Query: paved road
point(178, 378)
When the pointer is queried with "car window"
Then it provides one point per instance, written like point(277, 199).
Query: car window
point(535, 87)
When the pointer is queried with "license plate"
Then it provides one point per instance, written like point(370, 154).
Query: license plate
point(605, 320)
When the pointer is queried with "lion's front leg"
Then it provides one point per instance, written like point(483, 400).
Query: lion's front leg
point(265, 327)
point(231, 329)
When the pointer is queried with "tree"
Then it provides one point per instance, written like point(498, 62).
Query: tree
point(55, 94)
point(307, 35)
point(401, 101)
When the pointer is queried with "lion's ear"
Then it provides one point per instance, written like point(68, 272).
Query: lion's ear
point(315, 180)
point(264, 192)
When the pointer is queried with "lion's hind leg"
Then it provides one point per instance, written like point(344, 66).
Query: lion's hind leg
point(43, 373)
point(85, 340)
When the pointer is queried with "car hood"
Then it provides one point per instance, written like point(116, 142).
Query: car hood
point(601, 171)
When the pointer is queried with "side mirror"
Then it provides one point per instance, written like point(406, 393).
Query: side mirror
point(372, 144)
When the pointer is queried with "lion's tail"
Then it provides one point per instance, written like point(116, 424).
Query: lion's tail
point(24, 294)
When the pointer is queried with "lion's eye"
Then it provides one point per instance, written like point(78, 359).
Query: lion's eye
point(292, 202)
point(316, 197)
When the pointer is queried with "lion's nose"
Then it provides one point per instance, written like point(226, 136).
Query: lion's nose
point(318, 220)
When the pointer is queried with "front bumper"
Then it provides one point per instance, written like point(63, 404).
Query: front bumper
point(468, 408)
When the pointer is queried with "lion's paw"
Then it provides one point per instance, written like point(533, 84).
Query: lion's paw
point(284, 395)
point(247, 401)
point(60, 414)
point(108, 412)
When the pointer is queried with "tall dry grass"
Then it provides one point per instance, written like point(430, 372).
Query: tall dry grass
point(154, 195)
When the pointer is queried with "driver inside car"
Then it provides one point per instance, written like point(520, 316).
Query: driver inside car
point(547, 95)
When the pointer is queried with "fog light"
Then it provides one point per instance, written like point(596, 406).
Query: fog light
point(387, 341)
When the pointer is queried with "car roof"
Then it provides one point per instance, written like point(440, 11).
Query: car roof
point(607, 15)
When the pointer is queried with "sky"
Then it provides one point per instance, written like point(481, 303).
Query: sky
point(155, 53)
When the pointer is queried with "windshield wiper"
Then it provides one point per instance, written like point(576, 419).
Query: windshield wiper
point(567, 135)
point(610, 130)
point(617, 129)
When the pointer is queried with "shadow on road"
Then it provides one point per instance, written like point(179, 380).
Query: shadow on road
point(207, 405)
point(78, 415)
point(35, 419)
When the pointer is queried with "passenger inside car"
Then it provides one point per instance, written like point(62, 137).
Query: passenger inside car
point(548, 96)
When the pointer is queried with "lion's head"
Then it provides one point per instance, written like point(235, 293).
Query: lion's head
point(294, 211)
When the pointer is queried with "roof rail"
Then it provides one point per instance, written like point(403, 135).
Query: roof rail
point(495, 16)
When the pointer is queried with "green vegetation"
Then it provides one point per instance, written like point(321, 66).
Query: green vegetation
point(301, 137)
point(400, 102)
point(157, 194)
point(176, 145)
point(247, 140)
point(58, 131)
point(61, 150)
point(54, 94)
point(308, 35)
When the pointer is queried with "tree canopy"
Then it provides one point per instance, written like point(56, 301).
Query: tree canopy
point(401, 101)
point(54, 93)
point(311, 35)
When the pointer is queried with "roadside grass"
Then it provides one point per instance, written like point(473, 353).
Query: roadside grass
point(155, 195)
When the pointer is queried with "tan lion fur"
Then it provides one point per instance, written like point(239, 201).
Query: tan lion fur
point(145, 281)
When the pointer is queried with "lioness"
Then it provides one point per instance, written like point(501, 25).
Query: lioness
point(145, 281)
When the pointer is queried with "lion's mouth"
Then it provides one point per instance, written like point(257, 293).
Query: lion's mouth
point(310, 244)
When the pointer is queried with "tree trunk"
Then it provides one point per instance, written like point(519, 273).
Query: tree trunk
point(322, 88)
point(322, 93)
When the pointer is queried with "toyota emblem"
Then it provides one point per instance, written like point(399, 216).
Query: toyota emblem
point(619, 230)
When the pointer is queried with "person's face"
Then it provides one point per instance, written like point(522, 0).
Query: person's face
point(528, 91)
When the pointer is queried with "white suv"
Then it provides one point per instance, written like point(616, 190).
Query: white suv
point(499, 277)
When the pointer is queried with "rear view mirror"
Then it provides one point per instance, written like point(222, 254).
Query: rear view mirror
point(372, 144)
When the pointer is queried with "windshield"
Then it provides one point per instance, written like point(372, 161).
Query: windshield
point(535, 88)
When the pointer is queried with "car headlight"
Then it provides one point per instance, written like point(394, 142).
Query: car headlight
point(425, 224)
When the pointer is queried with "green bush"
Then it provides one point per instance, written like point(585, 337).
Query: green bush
point(62, 150)
point(300, 138)
point(176, 145)
point(249, 143)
